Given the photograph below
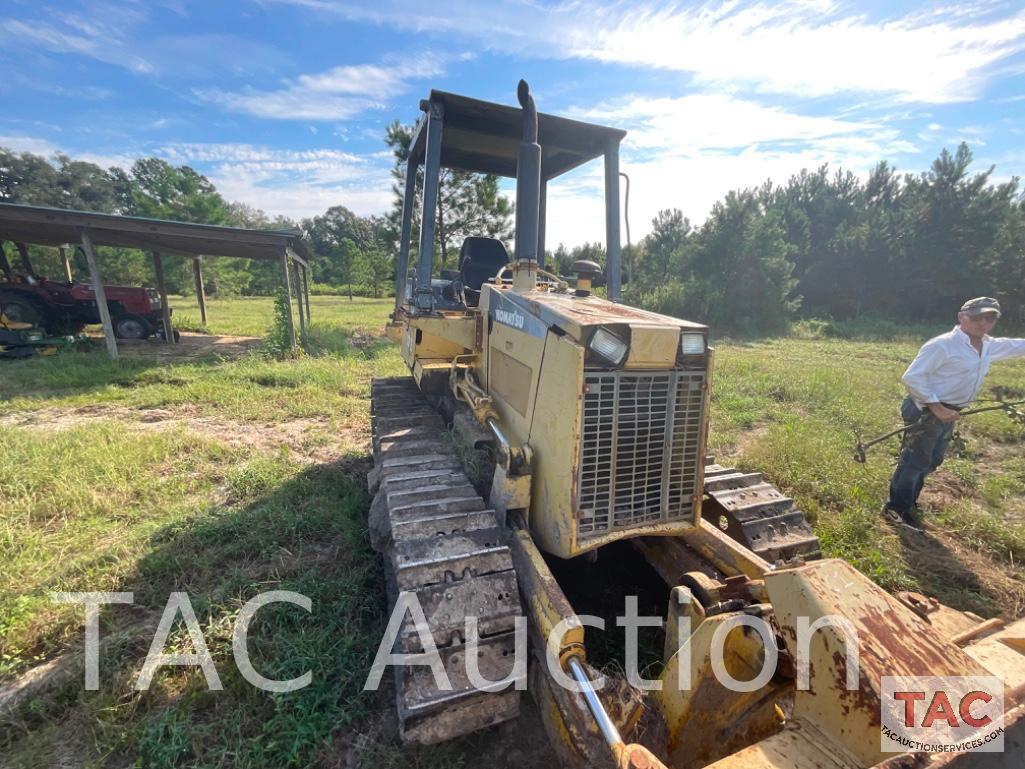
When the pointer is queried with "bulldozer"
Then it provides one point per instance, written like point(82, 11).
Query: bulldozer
point(596, 416)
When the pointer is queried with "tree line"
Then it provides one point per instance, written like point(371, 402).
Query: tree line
point(352, 252)
point(825, 244)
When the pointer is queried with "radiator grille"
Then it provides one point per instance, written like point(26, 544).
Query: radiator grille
point(639, 448)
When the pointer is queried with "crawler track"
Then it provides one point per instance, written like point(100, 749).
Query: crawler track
point(442, 543)
point(757, 515)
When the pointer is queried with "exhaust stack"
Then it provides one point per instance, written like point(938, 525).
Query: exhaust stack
point(528, 194)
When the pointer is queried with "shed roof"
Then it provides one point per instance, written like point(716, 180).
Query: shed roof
point(484, 136)
point(56, 226)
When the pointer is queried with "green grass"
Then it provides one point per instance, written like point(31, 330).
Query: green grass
point(104, 505)
point(332, 382)
point(252, 315)
point(99, 499)
point(793, 406)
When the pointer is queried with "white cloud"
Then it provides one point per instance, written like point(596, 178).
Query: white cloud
point(314, 165)
point(111, 34)
point(713, 121)
point(102, 35)
point(46, 148)
point(340, 93)
point(29, 144)
point(293, 183)
point(298, 200)
point(791, 48)
point(288, 104)
point(804, 48)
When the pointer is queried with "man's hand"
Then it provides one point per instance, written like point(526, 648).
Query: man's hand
point(942, 413)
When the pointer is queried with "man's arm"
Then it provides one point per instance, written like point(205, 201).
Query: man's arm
point(917, 380)
point(1004, 347)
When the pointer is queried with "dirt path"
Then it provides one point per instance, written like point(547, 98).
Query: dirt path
point(309, 440)
point(191, 345)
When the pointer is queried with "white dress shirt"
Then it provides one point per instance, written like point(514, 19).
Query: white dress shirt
point(949, 370)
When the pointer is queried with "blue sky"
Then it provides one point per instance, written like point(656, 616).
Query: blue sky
point(283, 103)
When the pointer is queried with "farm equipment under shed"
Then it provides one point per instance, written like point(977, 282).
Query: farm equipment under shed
point(23, 340)
point(66, 307)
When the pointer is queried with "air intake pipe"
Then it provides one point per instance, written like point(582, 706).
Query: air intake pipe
point(528, 194)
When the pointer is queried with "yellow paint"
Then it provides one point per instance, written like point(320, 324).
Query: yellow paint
point(514, 360)
point(653, 347)
point(395, 331)
point(548, 606)
point(510, 492)
point(726, 554)
point(555, 439)
point(443, 337)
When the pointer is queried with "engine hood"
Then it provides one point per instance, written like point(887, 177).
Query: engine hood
point(574, 315)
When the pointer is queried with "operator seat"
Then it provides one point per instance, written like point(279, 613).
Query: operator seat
point(479, 260)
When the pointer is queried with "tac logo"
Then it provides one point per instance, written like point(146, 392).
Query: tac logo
point(942, 714)
point(510, 318)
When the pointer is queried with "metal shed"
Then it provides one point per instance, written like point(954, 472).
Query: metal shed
point(59, 227)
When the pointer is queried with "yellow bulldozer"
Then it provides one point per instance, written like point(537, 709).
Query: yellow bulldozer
point(596, 416)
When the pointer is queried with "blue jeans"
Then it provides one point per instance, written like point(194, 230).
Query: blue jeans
point(921, 453)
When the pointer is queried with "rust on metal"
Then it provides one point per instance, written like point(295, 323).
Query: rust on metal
point(726, 554)
point(981, 629)
point(921, 605)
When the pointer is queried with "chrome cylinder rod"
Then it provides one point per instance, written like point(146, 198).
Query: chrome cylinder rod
point(605, 725)
point(499, 435)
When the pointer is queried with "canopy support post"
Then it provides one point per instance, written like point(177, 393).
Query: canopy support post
point(5, 266)
point(423, 301)
point(197, 274)
point(67, 264)
point(306, 290)
point(165, 308)
point(286, 283)
point(101, 294)
point(402, 265)
point(298, 288)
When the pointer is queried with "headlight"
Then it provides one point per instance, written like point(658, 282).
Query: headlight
point(609, 346)
point(692, 344)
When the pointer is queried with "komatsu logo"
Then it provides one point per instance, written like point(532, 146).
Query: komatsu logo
point(510, 318)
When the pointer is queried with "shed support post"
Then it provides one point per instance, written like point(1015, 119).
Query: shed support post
point(424, 299)
point(101, 295)
point(306, 291)
point(541, 215)
point(26, 262)
point(5, 266)
point(402, 265)
point(165, 308)
point(286, 283)
point(67, 264)
point(298, 289)
point(197, 273)
point(612, 267)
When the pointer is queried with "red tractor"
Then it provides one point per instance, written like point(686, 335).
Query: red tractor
point(61, 307)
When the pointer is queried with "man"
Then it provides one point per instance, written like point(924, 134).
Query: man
point(943, 379)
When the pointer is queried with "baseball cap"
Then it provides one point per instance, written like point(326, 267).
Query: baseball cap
point(981, 304)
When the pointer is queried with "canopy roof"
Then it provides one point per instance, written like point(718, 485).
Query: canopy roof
point(56, 226)
point(483, 136)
